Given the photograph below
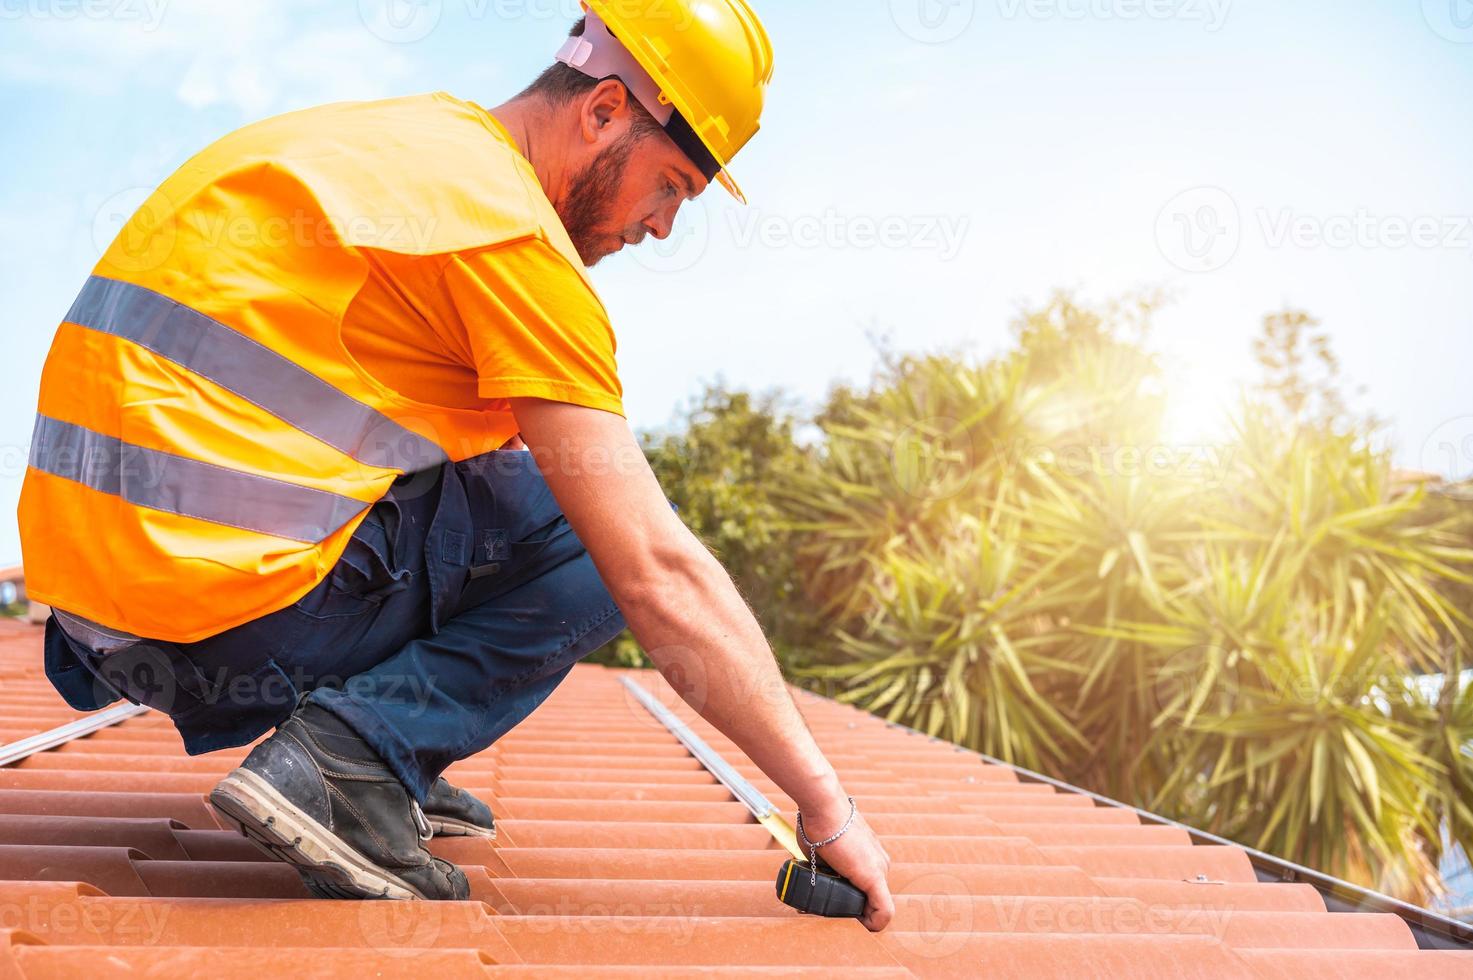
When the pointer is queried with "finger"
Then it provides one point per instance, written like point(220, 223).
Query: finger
point(880, 908)
point(875, 919)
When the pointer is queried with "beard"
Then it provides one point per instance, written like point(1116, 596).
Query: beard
point(585, 212)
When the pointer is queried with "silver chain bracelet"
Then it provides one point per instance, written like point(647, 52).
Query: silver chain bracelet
point(813, 848)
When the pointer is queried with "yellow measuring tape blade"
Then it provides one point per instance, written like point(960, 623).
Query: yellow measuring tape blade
point(757, 804)
point(783, 833)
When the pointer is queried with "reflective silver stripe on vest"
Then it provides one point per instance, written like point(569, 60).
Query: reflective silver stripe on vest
point(187, 487)
point(253, 371)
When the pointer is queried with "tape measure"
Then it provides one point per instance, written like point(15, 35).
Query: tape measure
point(815, 891)
point(819, 891)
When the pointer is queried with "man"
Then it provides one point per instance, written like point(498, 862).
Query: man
point(278, 477)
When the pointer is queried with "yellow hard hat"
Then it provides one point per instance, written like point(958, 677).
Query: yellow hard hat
point(709, 62)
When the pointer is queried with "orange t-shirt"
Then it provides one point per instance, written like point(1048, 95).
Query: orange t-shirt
point(472, 328)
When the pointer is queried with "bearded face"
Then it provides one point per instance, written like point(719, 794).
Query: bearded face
point(631, 189)
point(590, 212)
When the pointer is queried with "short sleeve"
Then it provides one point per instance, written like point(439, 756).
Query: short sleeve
point(535, 327)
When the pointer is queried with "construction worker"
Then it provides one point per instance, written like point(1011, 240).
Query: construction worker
point(332, 442)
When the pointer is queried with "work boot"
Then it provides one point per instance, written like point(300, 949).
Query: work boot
point(452, 812)
point(317, 797)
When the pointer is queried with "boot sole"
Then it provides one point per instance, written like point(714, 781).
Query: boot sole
point(450, 827)
point(330, 867)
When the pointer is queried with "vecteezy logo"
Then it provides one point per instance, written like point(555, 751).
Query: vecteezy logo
point(933, 21)
point(683, 247)
point(135, 229)
point(1194, 681)
point(1451, 19)
point(1448, 451)
point(932, 459)
point(1200, 230)
point(400, 928)
point(400, 21)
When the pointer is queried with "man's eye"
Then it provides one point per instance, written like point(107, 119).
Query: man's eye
point(670, 187)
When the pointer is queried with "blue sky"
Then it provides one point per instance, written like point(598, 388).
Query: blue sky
point(926, 168)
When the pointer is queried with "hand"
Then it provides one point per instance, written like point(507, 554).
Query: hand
point(858, 856)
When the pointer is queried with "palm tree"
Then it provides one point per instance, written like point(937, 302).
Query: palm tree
point(1007, 555)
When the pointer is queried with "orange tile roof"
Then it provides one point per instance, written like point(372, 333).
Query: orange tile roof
point(619, 855)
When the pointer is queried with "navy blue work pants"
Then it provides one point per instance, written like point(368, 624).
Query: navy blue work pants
point(458, 606)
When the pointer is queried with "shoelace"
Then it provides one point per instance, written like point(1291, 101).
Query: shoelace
point(421, 824)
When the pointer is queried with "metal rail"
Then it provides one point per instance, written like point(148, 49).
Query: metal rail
point(45, 741)
point(82, 727)
point(1430, 929)
point(748, 795)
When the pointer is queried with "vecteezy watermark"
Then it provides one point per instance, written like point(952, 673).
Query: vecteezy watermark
point(682, 679)
point(80, 920)
point(1195, 679)
point(147, 13)
point(139, 228)
point(14, 459)
point(135, 227)
point(1207, 464)
point(941, 914)
point(933, 459)
point(401, 21)
point(409, 928)
point(942, 234)
point(306, 230)
point(1205, 685)
point(408, 21)
point(1450, 19)
point(1107, 916)
point(933, 21)
point(1212, 14)
point(1449, 449)
point(1200, 230)
point(685, 245)
point(1364, 229)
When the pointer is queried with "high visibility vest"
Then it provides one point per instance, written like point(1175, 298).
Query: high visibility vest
point(205, 446)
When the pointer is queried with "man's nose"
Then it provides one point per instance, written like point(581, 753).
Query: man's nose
point(661, 223)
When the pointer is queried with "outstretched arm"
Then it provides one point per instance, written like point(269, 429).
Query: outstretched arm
point(685, 611)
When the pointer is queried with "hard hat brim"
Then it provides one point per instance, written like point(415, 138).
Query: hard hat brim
point(730, 184)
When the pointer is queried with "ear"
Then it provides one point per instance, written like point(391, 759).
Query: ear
point(605, 111)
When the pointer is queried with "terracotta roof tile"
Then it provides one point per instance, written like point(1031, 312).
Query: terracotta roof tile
point(638, 863)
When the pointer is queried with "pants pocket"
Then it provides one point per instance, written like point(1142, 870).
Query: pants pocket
point(79, 686)
point(507, 497)
point(365, 574)
point(243, 706)
point(152, 673)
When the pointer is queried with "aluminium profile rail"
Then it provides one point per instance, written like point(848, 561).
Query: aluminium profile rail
point(45, 741)
point(767, 814)
point(1430, 929)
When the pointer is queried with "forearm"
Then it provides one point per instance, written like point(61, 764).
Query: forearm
point(705, 640)
point(676, 597)
point(685, 610)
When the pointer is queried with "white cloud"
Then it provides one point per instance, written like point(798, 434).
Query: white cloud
point(256, 57)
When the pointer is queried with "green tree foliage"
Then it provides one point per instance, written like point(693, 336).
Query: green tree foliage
point(1012, 557)
point(718, 468)
point(1264, 638)
point(1301, 381)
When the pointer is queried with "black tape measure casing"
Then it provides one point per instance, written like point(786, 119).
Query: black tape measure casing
point(828, 894)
